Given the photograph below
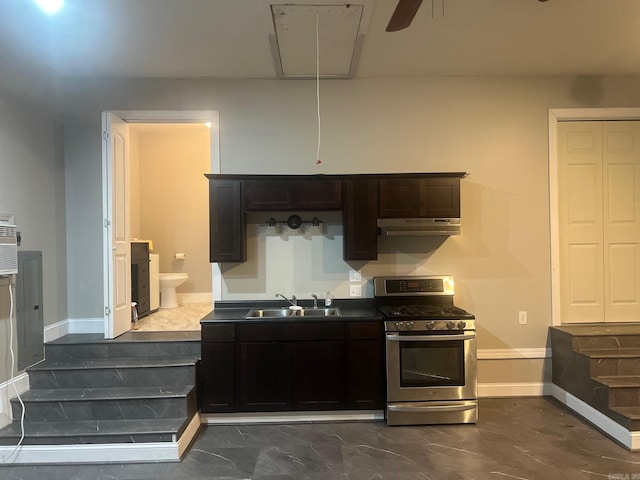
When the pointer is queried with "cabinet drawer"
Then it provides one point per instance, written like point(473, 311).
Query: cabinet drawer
point(287, 332)
point(139, 252)
point(365, 330)
point(218, 332)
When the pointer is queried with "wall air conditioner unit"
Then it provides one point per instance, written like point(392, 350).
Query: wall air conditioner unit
point(8, 245)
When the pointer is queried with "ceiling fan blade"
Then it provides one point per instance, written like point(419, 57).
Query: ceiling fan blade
point(403, 14)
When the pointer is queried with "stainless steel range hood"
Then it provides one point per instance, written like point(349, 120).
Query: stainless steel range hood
point(419, 226)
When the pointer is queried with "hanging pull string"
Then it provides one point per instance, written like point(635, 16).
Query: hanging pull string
point(318, 161)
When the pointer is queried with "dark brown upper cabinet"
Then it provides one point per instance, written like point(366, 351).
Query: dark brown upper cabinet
point(299, 194)
point(359, 216)
point(362, 198)
point(227, 222)
point(420, 197)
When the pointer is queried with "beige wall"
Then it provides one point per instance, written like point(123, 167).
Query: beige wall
point(494, 128)
point(173, 199)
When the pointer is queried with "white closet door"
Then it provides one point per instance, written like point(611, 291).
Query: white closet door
point(581, 221)
point(621, 233)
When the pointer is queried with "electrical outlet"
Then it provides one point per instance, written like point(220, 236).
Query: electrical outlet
point(522, 317)
point(354, 276)
point(355, 291)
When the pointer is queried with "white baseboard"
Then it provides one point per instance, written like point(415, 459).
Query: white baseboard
point(513, 353)
point(629, 439)
point(524, 389)
point(186, 298)
point(7, 392)
point(290, 417)
point(73, 325)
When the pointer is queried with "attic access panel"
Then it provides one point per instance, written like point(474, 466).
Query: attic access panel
point(340, 28)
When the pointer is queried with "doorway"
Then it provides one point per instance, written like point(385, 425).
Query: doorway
point(156, 121)
point(562, 312)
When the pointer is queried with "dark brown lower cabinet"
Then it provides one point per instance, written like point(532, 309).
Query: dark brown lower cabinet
point(366, 381)
point(217, 373)
point(264, 376)
point(279, 366)
point(319, 375)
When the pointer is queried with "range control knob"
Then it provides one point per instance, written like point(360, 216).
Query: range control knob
point(450, 325)
point(461, 325)
point(410, 325)
point(431, 325)
point(399, 325)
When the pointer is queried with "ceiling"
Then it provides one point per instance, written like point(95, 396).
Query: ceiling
point(230, 38)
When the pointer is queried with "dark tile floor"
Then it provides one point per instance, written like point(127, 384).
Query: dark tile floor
point(515, 438)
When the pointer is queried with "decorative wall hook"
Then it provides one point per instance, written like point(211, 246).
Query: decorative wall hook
point(294, 222)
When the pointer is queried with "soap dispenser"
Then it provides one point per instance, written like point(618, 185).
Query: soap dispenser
point(328, 299)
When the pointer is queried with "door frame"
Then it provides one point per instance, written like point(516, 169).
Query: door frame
point(155, 116)
point(566, 115)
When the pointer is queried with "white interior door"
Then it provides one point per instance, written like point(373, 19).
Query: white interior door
point(117, 225)
point(599, 209)
point(621, 208)
point(580, 214)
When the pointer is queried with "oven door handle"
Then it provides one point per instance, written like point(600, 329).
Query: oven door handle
point(441, 408)
point(428, 338)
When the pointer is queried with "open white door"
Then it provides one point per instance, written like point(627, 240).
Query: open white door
point(117, 225)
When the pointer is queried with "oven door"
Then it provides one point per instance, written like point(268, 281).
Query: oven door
point(431, 366)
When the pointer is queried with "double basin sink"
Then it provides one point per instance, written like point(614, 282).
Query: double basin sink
point(293, 313)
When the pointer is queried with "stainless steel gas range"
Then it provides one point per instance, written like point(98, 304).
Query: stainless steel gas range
point(431, 352)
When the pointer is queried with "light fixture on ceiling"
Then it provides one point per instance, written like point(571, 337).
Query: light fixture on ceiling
point(50, 6)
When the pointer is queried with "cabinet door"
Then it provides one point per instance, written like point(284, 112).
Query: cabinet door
point(366, 378)
point(267, 195)
point(359, 219)
point(400, 197)
point(319, 374)
point(440, 197)
point(227, 224)
point(264, 376)
point(217, 371)
point(143, 294)
point(318, 194)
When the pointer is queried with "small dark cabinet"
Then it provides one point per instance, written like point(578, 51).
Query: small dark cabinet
point(217, 374)
point(319, 375)
point(318, 194)
point(227, 223)
point(366, 375)
point(264, 376)
point(217, 369)
point(140, 292)
point(437, 197)
point(359, 217)
point(267, 195)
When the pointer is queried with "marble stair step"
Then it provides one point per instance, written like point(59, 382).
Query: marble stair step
point(105, 403)
point(620, 381)
point(622, 352)
point(113, 372)
point(591, 342)
point(630, 417)
point(95, 431)
point(151, 344)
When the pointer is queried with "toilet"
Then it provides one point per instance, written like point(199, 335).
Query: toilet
point(168, 284)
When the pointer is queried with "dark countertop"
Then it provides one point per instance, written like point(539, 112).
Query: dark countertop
point(235, 311)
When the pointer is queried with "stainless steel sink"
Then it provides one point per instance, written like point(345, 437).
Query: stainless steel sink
point(288, 313)
point(319, 312)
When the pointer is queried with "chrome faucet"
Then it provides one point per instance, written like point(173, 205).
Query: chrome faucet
point(315, 300)
point(293, 302)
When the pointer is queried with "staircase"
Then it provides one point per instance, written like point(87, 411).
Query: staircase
point(600, 365)
point(137, 389)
